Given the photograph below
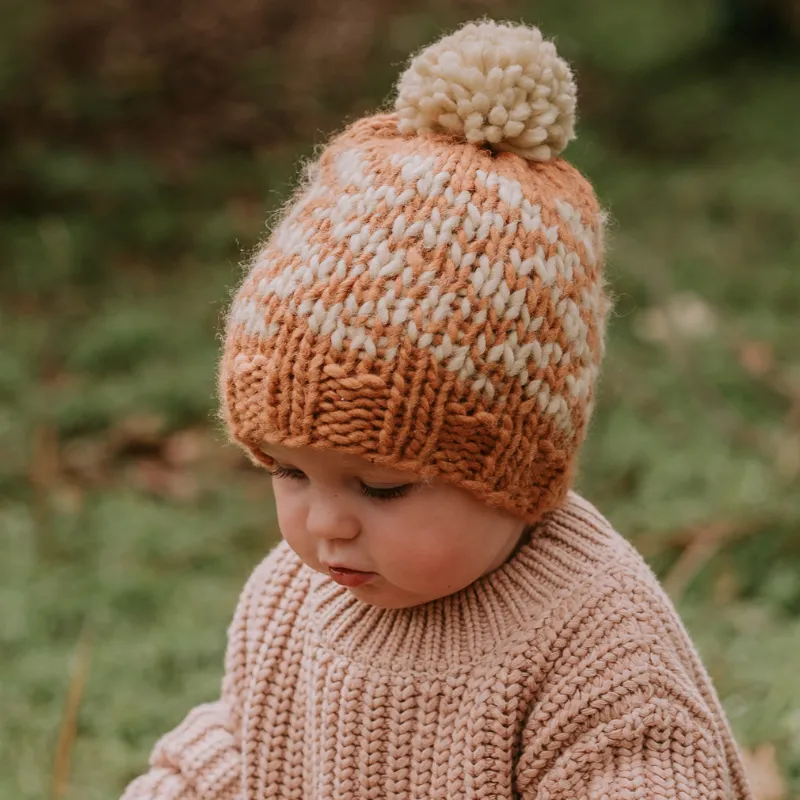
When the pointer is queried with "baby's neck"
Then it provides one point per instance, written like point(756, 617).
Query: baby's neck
point(524, 538)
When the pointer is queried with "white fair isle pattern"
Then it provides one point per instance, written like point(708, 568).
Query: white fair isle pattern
point(359, 197)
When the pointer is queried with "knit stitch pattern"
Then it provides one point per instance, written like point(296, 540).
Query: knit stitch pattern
point(564, 675)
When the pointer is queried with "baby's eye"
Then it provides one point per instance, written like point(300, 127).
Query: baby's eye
point(286, 472)
point(386, 492)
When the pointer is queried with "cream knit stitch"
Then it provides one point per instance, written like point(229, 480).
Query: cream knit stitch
point(564, 675)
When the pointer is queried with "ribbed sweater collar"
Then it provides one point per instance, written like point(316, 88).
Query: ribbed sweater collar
point(566, 547)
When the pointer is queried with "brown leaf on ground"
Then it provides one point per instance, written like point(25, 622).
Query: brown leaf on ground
point(185, 447)
point(764, 773)
point(137, 434)
point(757, 358)
point(157, 478)
point(85, 461)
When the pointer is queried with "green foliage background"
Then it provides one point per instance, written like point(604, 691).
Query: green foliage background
point(142, 152)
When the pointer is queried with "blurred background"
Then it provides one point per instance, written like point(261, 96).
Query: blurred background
point(143, 148)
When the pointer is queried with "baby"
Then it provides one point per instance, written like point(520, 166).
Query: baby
point(413, 356)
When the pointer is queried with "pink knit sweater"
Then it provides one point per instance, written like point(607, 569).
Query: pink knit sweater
point(563, 675)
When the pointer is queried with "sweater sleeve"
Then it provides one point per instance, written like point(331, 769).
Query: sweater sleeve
point(197, 760)
point(201, 758)
point(657, 751)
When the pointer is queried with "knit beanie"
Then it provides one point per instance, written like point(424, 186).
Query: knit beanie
point(432, 298)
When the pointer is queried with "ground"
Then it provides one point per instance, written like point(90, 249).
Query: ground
point(128, 525)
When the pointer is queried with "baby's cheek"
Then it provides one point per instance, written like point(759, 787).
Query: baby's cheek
point(291, 519)
point(432, 557)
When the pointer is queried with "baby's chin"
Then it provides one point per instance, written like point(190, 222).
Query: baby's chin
point(382, 594)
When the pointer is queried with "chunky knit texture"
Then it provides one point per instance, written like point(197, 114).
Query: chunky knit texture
point(564, 675)
point(430, 300)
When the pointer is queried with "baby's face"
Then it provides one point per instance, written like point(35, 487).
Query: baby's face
point(394, 540)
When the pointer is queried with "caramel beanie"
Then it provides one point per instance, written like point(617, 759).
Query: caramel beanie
point(433, 297)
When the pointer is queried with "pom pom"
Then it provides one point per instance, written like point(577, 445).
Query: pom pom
point(493, 84)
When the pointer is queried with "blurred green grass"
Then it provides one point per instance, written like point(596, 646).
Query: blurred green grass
point(122, 509)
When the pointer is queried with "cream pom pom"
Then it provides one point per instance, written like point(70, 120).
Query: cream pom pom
point(491, 83)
